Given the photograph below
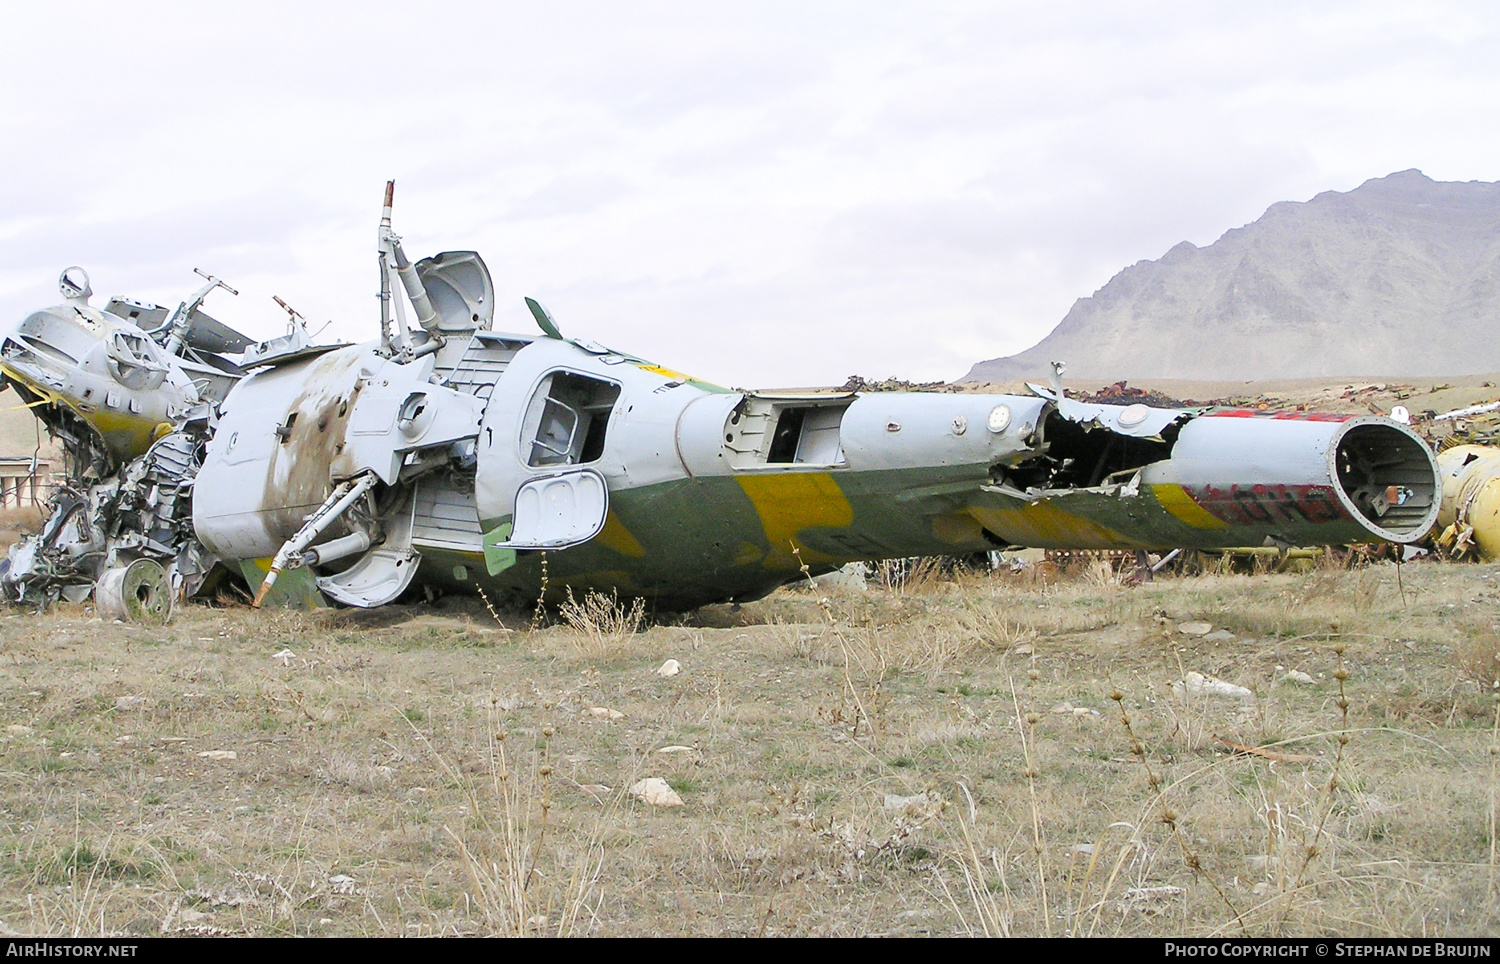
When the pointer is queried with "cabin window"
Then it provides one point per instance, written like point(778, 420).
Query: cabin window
point(567, 419)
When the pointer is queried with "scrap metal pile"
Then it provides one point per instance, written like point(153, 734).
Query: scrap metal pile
point(133, 423)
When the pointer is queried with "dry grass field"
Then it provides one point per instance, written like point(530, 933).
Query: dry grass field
point(991, 754)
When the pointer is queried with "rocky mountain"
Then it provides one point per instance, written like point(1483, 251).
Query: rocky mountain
point(1398, 277)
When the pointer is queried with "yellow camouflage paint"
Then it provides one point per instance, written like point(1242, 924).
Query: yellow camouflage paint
point(791, 502)
point(1175, 499)
point(667, 372)
point(958, 528)
point(126, 434)
point(17, 408)
point(615, 536)
point(1471, 498)
point(1044, 524)
point(680, 377)
point(748, 554)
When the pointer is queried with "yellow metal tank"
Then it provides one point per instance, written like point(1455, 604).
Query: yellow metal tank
point(1469, 518)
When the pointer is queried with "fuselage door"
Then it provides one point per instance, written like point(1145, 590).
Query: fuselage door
point(553, 499)
point(560, 510)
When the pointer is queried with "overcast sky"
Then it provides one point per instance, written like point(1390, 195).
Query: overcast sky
point(759, 194)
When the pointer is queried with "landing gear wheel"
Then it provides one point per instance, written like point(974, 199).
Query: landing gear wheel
point(137, 593)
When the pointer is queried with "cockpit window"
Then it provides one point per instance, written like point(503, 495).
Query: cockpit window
point(567, 419)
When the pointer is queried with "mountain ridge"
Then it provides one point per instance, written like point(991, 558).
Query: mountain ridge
point(1398, 277)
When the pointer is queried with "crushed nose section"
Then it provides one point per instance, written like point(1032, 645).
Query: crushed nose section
point(1387, 478)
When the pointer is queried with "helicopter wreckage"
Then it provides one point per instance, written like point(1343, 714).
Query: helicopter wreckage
point(448, 456)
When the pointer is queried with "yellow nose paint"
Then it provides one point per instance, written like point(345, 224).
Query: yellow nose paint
point(789, 503)
point(669, 373)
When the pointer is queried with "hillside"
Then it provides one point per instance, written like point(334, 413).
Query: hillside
point(1399, 277)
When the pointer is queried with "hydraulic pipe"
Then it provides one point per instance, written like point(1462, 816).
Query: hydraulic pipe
point(336, 549)
point(403, 334)
point(382, 247)
point(426, 315)
point(342, 497)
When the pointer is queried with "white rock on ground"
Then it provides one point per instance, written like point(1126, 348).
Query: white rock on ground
point(670, 668)
point(1197, 684)
point(852, 576)
point(1194, 629)
point(1136, 895)
point(655, 792)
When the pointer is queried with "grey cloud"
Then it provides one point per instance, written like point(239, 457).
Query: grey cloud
point(895, 237)
point(136, 255)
